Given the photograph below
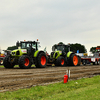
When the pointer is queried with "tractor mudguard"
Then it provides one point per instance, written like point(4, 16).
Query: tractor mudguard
point(69, 54)
point(37, 53)
point(69, 57)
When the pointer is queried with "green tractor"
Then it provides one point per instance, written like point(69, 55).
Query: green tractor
point(26, 55)
point(62, 55)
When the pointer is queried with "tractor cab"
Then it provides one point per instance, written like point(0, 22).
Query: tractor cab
point(61, 47)
point(29, 46)
point(59, 50)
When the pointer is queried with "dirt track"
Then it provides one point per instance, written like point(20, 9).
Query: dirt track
point(13, 79)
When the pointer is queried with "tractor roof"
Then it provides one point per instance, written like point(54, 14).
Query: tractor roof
point(60, 45)
point(30, 41)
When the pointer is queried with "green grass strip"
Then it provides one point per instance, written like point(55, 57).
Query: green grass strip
point(83, 89)
point(1, 66)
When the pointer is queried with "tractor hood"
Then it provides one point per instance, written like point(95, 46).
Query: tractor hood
point(55, 54)
point(18, 52)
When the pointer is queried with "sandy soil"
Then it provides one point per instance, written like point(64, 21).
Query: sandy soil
point(14, 79)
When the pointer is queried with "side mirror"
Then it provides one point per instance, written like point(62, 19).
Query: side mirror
point(39, 46)
point(17, 43)
point(53, 48)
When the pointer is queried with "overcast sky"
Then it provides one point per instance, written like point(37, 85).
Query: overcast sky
point(50, 21)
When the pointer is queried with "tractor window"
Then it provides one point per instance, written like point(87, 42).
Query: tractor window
point(28, 45)
point(33, 45)
point(23, 45)
point(61, 48)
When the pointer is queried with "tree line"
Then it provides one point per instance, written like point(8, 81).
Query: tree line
point(73, 47)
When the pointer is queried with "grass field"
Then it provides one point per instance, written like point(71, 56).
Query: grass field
point(83, 89)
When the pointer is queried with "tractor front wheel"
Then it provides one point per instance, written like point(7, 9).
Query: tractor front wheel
point(7, 62)
point(24, 62)
point(60, 61)
point(41, 60)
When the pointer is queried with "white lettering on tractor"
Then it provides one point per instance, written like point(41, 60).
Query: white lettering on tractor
point(25, 51)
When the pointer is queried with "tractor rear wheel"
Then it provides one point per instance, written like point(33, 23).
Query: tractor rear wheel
point(79, 60)
point(24, 62)
point(74, 60)
point(66, 61)
point(41, 60)
point(60, 61)
point(7, 63)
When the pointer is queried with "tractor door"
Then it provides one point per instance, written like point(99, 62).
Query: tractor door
point(34, 47)
point(67, 49)
point(29, 48)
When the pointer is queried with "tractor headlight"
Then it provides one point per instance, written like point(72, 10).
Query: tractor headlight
point(13, 53)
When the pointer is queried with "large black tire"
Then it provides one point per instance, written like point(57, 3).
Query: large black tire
point(24, 62)
point(41, 60)
point(66, 61)
point(7, 63)
point(74, 60)
point(60, 61)
point(79, 60)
